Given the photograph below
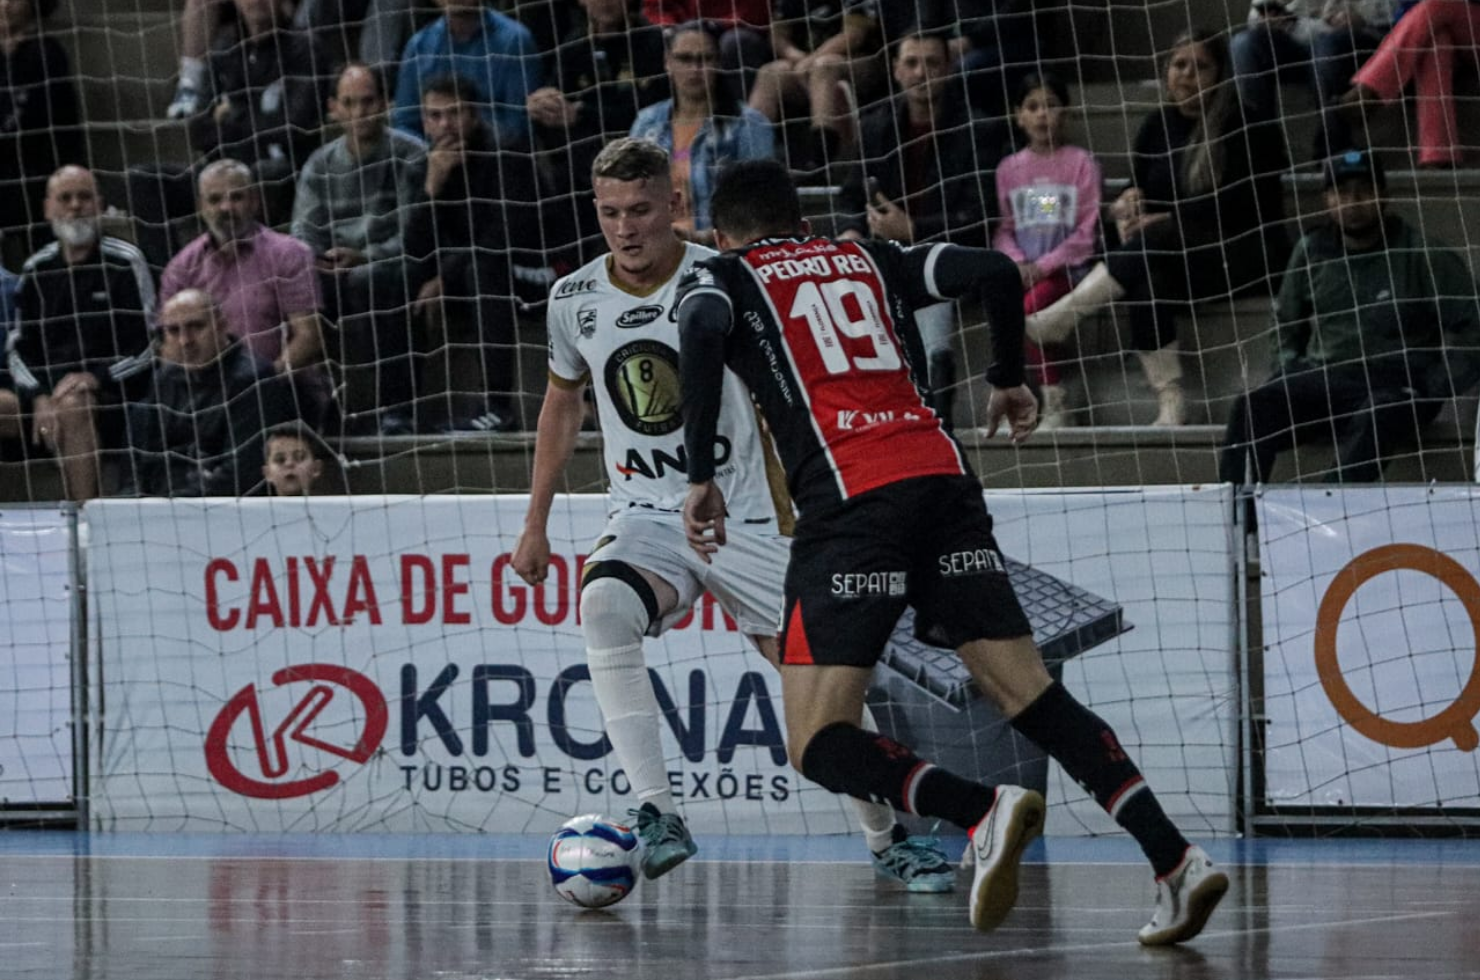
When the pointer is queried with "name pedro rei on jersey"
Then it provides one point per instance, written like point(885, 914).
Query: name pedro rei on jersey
point(843, 263)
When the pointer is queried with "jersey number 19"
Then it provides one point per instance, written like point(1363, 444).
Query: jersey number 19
point(828, 311)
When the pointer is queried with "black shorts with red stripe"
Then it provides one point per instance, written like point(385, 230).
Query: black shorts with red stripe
point(925, 542)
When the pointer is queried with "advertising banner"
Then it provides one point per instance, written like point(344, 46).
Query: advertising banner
point(35, 663)
point(373, 664)
point(1371, 615)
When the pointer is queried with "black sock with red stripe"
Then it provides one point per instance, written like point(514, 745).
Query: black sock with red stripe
point(844, 758)
point(1081, 742)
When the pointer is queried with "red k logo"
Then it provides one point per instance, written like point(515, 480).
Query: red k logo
point(328, 682)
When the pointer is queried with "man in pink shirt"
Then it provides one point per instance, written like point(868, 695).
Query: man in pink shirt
point(263, 281)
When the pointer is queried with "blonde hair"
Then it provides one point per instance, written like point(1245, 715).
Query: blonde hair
point(630, 158)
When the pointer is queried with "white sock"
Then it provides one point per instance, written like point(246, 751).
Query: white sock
point(193, 72)
point(633, 721)
point(614, 618)
point(876, 819)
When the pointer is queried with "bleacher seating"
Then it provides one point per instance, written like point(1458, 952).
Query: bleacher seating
point(125, 52)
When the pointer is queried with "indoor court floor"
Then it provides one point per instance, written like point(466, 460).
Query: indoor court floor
point(445, 907)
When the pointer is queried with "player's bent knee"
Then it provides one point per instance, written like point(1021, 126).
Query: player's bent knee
point(617, 607)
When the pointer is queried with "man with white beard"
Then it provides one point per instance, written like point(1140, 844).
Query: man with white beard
point(82, 339)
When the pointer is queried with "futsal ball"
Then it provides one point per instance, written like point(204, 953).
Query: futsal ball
point(593, 861)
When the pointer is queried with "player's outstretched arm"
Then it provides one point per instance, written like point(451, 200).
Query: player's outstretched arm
point(554, 443)
point(953, 271)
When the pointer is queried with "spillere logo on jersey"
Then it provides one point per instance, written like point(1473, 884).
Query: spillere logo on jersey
point(831, 306)
point(639, 316)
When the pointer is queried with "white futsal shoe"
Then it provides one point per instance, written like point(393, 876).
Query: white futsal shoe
point(997, 844)
point(1184, 900)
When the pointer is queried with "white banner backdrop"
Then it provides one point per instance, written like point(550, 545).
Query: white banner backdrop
point(371, 664)
point(35, 667)
point(1371, 614)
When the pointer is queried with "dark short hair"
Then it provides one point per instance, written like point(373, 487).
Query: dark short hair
point(756, 199)
point(459, 88)
point(299, 430)
point(690, 27)
point(377, 78)
point(1038, 80)
point(920, 32)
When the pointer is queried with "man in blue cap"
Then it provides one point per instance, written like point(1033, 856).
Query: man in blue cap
point(1375, 329)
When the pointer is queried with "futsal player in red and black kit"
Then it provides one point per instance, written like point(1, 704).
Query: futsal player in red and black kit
point(891, 515)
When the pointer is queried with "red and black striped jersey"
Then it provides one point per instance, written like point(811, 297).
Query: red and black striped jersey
point(823, 333)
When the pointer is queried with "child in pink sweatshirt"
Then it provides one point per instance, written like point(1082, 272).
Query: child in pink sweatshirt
point(1049, 196)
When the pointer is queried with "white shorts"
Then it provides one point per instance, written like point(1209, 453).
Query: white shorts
point(746, 575)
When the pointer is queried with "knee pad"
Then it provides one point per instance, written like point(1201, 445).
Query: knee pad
point(617, 607)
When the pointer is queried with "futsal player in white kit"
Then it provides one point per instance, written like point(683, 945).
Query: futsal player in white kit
point(611, 326)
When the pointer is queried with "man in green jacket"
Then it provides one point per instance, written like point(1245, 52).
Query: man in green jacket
point(1376, 330)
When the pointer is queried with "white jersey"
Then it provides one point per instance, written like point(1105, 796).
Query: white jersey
point(626, 344)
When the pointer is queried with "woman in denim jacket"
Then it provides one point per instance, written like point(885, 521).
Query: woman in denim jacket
point(703, 127)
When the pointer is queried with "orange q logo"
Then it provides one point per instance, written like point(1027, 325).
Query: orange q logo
point(1457, 720)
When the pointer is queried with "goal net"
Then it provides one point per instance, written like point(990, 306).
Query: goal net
point(371, 663)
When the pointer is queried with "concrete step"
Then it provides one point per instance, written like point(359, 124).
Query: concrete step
point(1071, 457)
point(92, 11)
point(126, 44)
point(113, 147)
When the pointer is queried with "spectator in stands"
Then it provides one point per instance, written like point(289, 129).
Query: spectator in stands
point(10, 431)
point(1376, 329)
point(462, 246)
point(495, 52)
point(702, 127)
point(741, 26)
point(1204, 217)
point(354, 198)
point(203, 21)
point(608, 67)
point(1317, 42)
point(1422, 48)
point(10, 284)
point(999, 45)
point(926, 174)
point(825, 53)
point(263, 281)
point(267, 87)
point(40, 125)
point(199, 22)
point(292, 460)
point(1049, 197)
point(81, 344)
point(197, 429)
